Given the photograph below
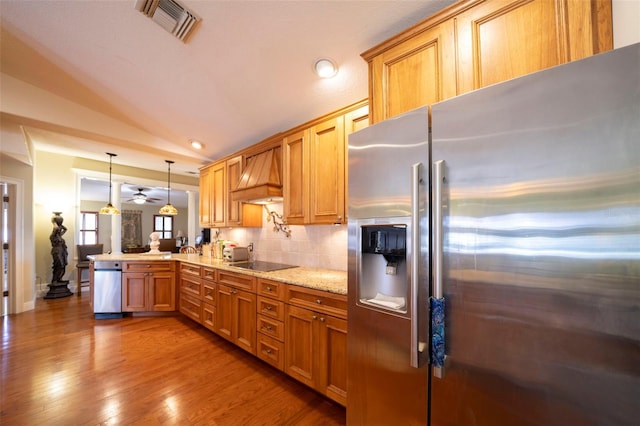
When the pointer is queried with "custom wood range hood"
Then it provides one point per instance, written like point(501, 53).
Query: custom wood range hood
point(261, 181)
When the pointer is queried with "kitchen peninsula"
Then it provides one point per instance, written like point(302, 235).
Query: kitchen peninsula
point(295, 319)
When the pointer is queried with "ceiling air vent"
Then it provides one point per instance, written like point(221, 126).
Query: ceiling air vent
point(170, 15)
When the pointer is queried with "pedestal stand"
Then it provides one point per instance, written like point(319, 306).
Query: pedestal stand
point(58, 290)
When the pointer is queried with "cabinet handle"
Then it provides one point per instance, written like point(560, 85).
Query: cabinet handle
point(319, 302)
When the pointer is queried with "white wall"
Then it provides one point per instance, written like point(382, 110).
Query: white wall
point(626, 22)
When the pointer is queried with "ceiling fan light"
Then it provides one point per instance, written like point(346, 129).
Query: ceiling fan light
point(139, 200)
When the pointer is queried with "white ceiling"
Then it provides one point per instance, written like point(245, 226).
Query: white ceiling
point(88, 77)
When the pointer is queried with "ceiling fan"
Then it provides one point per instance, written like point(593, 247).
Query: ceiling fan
point(142, 198)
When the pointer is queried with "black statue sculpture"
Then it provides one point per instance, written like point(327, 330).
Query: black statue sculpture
point(58, 287)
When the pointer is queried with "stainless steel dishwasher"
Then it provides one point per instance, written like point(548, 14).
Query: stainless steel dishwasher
point(107, 289)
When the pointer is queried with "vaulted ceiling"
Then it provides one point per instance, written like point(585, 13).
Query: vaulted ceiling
point(87, 77)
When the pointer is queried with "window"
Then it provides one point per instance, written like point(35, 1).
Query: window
point(88, 228)
point(163, 225)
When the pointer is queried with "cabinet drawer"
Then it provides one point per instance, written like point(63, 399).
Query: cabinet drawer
point(271, 308)
point(151, 266)
point(209, 292)
point(271, 351)
point(190, 285)
point(271, 327)
point(271, 288)
point(190, 306)
point(209, 316)
point(244, 282)
point(189, 269)
point(317, 300)
point(209, 274)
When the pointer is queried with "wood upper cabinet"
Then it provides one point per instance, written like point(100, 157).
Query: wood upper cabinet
point(476, 43)
point(315, 168)
point(217, 209)
point(501, 40)
point(148, 286)
point(233, 216)
point(205, 196)
point(417, 72)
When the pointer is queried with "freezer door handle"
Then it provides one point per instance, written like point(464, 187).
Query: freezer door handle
point(415, 258)
point(437, 307)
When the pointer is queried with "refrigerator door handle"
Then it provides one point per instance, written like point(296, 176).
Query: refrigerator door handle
point(415, 258)
point(437, 301)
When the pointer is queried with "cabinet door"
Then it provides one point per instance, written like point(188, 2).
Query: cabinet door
point(416, 72)
point(162, 291)
point(244, 320)
point(224, 312)
point(326, 172)
point(296, 178)
point(332, 362)
point(501, 40)
point(355, 120)
point(300, 345)
point(218, 194)
point(205, 197)
point(134, 292)
point(233, 208)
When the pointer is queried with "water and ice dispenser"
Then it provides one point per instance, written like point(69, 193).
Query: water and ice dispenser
point(384, 280)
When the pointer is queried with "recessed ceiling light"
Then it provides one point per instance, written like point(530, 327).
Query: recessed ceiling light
point(325, 68)
point(196, 144)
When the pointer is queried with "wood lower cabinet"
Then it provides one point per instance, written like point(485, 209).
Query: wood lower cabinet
point(235, 318)
point(316, 351)
point(316, 341)
point(148, 286)
point(298, 330)
point(235, 313)
point(476, 43)
point(270, 324)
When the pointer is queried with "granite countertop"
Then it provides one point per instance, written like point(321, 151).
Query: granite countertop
point(320, 279)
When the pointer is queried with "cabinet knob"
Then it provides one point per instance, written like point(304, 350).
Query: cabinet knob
point(319, 302)
point(322, 319)
point(268, 288)
point(269, 307)
point(314, 317)
point(269, 351)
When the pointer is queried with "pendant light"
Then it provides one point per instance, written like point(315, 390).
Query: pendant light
point(109, 209)
point(168, 209)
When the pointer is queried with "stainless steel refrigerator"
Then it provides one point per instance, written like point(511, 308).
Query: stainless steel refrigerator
point(494, 254)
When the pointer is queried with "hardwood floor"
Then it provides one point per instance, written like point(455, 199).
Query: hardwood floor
point(60, 366)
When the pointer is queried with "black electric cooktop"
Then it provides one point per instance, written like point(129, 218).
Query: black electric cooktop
point(262, 266)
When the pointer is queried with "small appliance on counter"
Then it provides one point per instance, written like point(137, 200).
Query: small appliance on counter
point(235, 254)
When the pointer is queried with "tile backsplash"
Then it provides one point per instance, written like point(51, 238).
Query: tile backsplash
point(315, 246)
